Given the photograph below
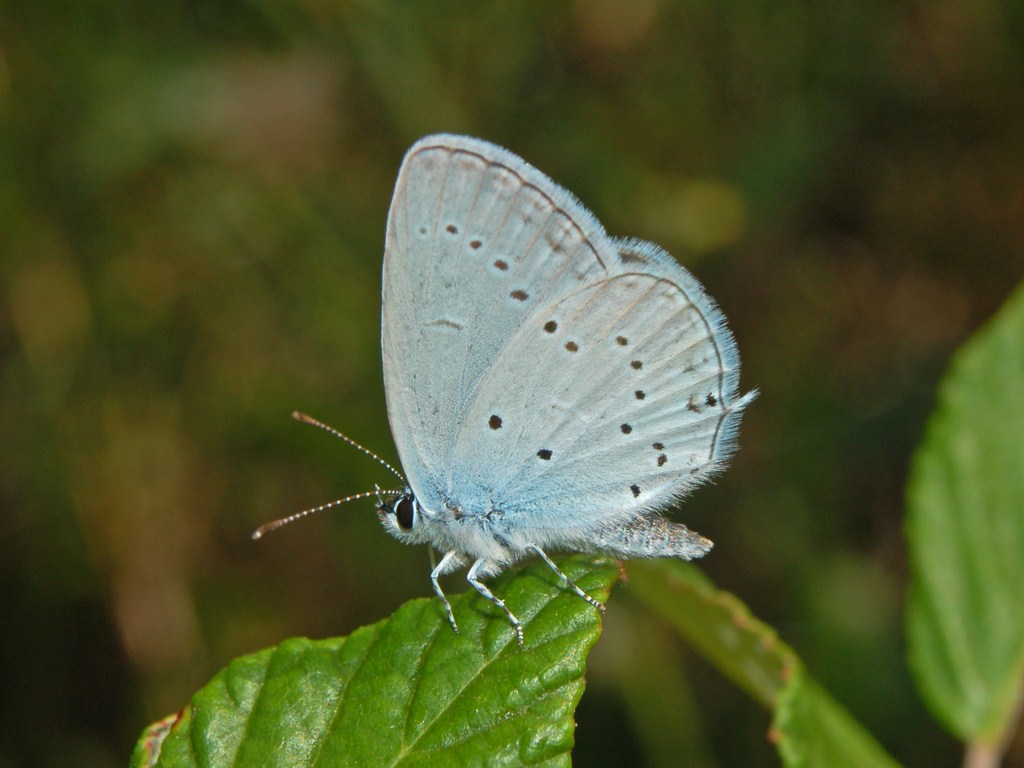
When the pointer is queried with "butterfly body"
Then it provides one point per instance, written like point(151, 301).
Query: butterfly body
point(548, 386)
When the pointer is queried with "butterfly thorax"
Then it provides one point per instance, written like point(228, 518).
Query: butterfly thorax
point(477, 535)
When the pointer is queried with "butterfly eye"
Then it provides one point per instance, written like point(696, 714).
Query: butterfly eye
point(404, 513)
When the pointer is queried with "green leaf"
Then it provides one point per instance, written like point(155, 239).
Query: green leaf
point(147, 749)
point(408, 691)
point(965, 619)
point(717, 624)
point(809, 728)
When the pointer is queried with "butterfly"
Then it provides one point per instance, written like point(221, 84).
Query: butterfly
point(548, 387)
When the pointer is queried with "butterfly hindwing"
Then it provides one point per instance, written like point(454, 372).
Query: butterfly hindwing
point(625, 403)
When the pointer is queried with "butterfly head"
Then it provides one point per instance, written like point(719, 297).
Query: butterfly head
point(402, 517)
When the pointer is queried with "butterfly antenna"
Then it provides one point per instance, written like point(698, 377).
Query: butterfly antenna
point(299, 416)
point(266, 528)
point(380, 492)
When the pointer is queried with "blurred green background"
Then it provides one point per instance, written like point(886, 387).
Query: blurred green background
point(192, 208)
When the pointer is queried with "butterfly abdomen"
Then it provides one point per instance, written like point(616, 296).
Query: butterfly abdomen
point(649, 537)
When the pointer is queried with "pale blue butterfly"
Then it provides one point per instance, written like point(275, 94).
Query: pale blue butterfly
point(548, 387)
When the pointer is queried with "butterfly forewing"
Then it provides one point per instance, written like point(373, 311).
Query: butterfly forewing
point(477, 241)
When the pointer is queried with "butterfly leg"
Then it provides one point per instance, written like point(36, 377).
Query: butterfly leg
point(568, 582)
point(479, 586)
point(449, 562)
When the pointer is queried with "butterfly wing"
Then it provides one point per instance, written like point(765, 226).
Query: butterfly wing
point(537, 369)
